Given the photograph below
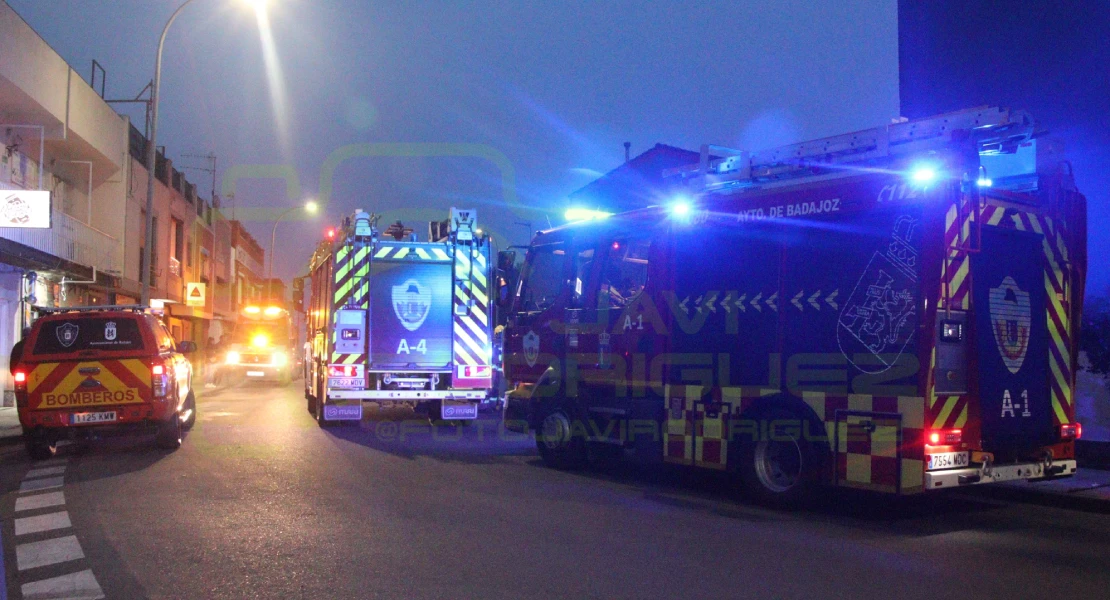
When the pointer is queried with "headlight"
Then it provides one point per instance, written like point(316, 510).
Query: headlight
point(280, 359)
point(233, 358)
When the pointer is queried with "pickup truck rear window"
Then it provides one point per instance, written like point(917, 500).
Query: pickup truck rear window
point(88, 333)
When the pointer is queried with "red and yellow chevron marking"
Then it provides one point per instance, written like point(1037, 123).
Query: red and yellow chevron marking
point(75, 384)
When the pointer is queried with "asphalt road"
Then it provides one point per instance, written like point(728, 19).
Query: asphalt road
point(261, 503)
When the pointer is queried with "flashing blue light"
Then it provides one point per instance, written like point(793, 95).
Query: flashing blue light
point(924, 174)
point(680, 208)
point(585, 214)
point(984, 182)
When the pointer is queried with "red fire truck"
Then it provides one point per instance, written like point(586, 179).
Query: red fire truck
point(393, 320)
point(894, 309)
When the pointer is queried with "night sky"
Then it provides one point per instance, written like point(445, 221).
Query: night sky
point(556, 87)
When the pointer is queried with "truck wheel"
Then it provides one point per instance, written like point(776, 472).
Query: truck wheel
point(559, 447)
point(40, 448)
point(170, 433)
point(191, 411)
point(779, 469)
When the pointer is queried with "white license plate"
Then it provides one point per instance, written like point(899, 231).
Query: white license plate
point(256, 373)
point(345, 382)
point(459, 410)
point(948, 460)
point(93, 417)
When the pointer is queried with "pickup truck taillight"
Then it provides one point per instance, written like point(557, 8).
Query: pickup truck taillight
point(159, 380)
point(20, 378)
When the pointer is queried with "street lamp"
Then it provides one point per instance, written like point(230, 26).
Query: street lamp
point(309, 207)
point(152, 145)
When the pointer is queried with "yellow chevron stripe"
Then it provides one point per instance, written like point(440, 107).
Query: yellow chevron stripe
point(460, 333)
point(138, 368)
point(383, 252)
point(422, 253)
point(480, 296)
point(342, 252)
point(480, 277)
point(480, 259)
point(962, 419)
point(440, 253)
point(946, 410)
point(351, 359)
point(341, 274)
point(996, 216)
point(475, 329)
point(959, 277)
point(1061, 416)
point(462, 357)
point(401, 252)
point(950, 217)
point(459, 294)
point(1035, 223)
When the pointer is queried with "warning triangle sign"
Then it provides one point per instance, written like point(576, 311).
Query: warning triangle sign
point(195, 293)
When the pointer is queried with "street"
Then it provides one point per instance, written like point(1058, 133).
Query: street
point(259, 502)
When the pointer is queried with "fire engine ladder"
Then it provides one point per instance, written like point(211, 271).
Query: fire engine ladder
point(992, 130)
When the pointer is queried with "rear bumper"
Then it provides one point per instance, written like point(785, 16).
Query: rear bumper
point(372, 395)
point(261, 372)
point(935, 480)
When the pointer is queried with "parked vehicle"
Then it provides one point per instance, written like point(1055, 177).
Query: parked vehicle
point(393, 320)
point(893, 310)
point(100, 369)
point(261, 346)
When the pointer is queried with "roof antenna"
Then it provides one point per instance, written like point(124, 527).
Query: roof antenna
point(627, 151)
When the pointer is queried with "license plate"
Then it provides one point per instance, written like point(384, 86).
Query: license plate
point(948, 460)
point(341, 412)
point(459, 410)
point(345, 382)
point(92, 417)
point(256, 373)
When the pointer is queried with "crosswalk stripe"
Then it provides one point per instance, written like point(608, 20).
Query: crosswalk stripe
point(39, 501)
point(35, 473)
point(75, 586)
point(48, 552)
point(45, 483)
point(47, 522)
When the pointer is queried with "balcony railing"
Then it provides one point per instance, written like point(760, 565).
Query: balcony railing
point(72, 240)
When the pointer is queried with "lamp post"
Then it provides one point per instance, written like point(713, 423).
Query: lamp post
point(310, 208)
point(152, 152)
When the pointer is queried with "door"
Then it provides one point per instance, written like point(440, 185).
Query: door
point(531, 344)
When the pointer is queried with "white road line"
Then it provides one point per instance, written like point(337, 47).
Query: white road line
point(36, 473)
point(39, 501)
point(48, 552)
point(45, 483)
point(75, 586)
point(37, 523)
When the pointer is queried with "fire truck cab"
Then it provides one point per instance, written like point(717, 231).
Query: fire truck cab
point(894, 310)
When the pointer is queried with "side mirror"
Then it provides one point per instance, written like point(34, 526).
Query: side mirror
point(186, 347)
point(506, 259)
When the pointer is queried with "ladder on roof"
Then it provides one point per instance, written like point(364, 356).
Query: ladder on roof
point(993, 130)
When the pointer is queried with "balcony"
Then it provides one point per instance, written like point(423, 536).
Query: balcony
point(72, 240)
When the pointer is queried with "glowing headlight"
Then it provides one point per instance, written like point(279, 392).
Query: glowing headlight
point(233, 358)
point(280, 359)
point(260, 340)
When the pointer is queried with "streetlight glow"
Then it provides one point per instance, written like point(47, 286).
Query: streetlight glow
point(311, 207)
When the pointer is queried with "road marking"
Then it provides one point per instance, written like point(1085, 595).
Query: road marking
point(37, 523)
point(48, 552)
point(39, 501)
point(75, 586)
point(36, 473)
point(45, 483)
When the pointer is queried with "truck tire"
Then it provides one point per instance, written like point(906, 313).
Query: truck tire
point(170, 433)
point(191, 409)
point(559, 447)
point(780, 469)
point(320, 416)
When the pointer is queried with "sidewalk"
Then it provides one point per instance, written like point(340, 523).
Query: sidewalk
point(10, 432)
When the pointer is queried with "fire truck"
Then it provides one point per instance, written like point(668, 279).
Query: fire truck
point(895, 310)
point(393, 320)
point(261, 345)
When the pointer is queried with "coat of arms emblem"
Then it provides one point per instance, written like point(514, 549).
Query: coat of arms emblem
point(1010, 320)
point(411, 303)
point(110, 331)
point(67, 334)
point(531, 347)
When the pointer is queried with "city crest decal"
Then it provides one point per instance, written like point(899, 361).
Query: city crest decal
point(1010, 320)
point(531, 347)
point(412, 302)
point(67, 334)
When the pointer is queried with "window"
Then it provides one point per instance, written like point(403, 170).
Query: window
point(65, 336)
point(625, 272)
point(542, 280)
point(178, 234)
point(583, 265)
